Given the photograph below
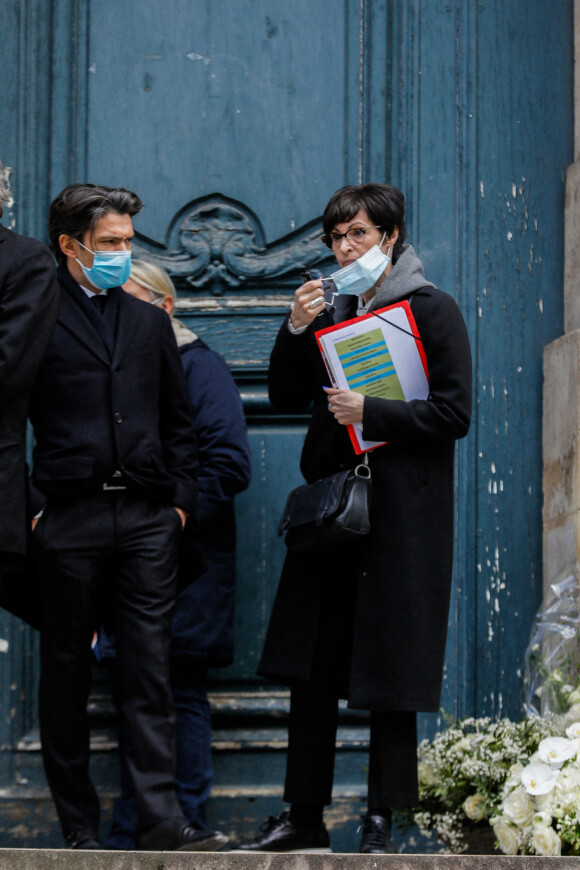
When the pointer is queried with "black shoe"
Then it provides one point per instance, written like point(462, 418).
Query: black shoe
point(83, 840)
point(376, 836)
point(280, 835)
point(175, 835)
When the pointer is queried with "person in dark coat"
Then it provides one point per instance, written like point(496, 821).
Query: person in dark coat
point(115, 463)
point(368, 623)
point(203, 619)
point(29, 298)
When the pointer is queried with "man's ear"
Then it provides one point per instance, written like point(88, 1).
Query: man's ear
point(69, 246)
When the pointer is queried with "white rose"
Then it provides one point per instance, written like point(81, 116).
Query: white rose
point(518, 807)
point(474, 807)
point(545, 841)
point(569, 780)
point(556, 750)
point(545, 805)
point(506, 837)
point(427, 775)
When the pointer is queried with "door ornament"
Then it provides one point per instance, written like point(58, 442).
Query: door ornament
point(215, 243)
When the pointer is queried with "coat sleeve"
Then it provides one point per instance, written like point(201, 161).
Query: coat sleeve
point(176, 424)
point(296, 370)
point(218, 415)
point(29, 298)
point(446, 413)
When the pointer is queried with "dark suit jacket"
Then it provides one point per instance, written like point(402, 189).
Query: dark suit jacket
point(110, 394)
point(28, 309)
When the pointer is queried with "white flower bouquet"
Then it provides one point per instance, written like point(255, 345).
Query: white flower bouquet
point(522, 778)
point(538, 812)
point(464, 773)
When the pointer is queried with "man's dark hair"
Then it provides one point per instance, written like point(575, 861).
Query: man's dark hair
point(384, 204)
point(79, 207)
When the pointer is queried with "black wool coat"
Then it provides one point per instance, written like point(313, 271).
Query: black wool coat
point(110, 394)
point(29, 297)
point(372, 621)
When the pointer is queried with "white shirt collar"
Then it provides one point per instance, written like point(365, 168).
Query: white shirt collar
point(90, 293)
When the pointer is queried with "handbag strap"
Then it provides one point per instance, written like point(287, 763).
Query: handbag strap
point(363, 469)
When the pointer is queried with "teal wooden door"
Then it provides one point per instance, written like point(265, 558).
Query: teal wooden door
point(235, 120)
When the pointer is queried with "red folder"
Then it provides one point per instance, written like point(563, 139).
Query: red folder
point(406, 325)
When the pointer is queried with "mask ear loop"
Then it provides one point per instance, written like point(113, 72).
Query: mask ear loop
point(315, 302)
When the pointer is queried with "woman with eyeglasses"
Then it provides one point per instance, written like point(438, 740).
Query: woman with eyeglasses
point(368, 623)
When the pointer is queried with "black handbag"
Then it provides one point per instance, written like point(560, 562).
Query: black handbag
point(328, 513)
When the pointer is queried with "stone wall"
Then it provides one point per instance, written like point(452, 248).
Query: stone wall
point(561, 424)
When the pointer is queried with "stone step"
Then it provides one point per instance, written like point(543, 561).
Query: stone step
point(59, 859)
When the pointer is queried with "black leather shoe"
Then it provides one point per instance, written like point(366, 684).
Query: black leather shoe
point(176, 835)
point(376, 836)
point(83, 840)
point(280, 835)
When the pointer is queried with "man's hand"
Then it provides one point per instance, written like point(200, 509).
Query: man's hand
point(182, 516)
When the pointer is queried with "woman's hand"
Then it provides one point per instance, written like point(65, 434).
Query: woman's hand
point(346, 405)
point(304, 310)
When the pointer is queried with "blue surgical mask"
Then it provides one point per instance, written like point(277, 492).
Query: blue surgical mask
point(109, 269)
point(359, 276)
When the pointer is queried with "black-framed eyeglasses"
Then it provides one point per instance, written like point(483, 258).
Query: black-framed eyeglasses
point(355, 236)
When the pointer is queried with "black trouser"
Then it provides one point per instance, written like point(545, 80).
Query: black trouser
point(19, 591)
point(311, 750)
point(111, 555)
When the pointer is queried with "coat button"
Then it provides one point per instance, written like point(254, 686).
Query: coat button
point(118, 417)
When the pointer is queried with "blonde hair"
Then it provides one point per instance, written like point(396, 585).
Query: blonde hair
point(152, 278)
point(5, 192)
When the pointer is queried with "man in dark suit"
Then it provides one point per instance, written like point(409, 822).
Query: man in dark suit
point(28, 309)
point(115, 462)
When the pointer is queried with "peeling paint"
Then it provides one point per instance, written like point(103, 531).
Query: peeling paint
point(193, 55)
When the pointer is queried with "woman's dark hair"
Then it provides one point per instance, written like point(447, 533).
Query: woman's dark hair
point(384, 204)
point(79, 207)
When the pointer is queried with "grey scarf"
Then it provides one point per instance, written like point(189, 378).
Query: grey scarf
point(406, 276)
